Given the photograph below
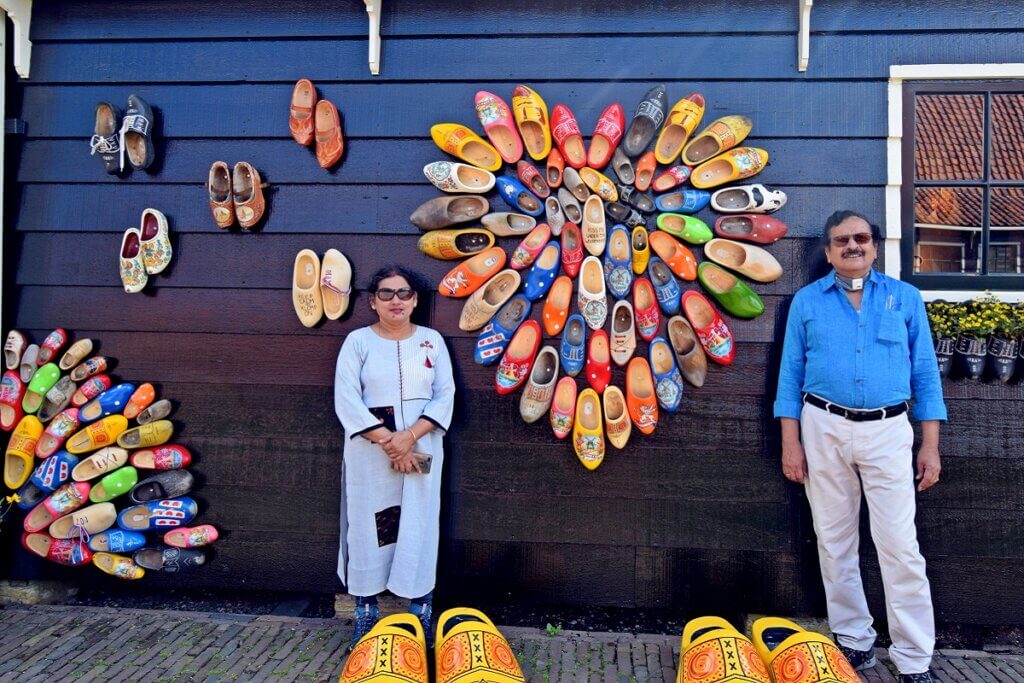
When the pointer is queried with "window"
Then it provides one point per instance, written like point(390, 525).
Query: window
point(962, 196)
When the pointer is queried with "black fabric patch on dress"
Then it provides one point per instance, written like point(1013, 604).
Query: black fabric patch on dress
point(387, 525)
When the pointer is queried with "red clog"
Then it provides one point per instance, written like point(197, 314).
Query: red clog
point(555, 166)
point(607, 134)
point(678, 258)
point(12, 392)
point(526, 253)
point(50, 346)
point(599, 361)
point(714, 335)
point(645, 171)
point(90, 389)
point(66, 551)
point(496, 118)
point(518, 359)
point(751, 227)
point(566, 132)
point(673, 177)
point(572, 249)
point(471, 274)
point(532, 179)
point(645, 309)
point(166, 457)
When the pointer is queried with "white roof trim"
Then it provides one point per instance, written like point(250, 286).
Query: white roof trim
point(20, 12)
point(373, 36)
point(803, 40)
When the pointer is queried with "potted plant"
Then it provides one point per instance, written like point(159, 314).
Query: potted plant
point(944, 319)
point(976, 324)
point(1003, 343)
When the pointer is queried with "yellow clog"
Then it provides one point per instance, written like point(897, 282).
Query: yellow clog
point(97, 435)
point(21, 449)
point(712, 651)
point(722, 135)
point(680, 123)
point(616, 417)
point(455, 244)
point(531, 115)
point(641, 249)
point(469, 648)
point(588, 432)
point(736, 164)
point(600, 184)
point(394, 651)
point(118, 565)
point(149, 434)
point(461, 142)
point(795, 655)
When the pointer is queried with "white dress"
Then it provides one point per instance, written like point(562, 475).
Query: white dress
point(389, 521)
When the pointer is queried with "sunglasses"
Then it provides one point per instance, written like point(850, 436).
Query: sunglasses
point(403, 294)
point(859, 238)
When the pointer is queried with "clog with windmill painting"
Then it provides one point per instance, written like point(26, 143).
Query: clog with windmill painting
point(722, 135)
point(682, 120)
point(451, 176)
point(599, 183)
point(461, 142)
point(526, 253)
point(566, 132)
point(531, 115)
point(607, 135)
point(496, 118)
point(712, 331)
point(57, 432)
point(155, 241)
point(591, 297)
point(12, 393)
point(65, 499)
point(588, 430)
point(645, 309)
point(618, 262)
point(471, 274)
point(668, 383)
point(678, 258)
point(735, 164)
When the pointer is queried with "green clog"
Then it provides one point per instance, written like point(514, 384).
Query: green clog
point(118, 482)
point(42, 381)
point(689, 228)
point(733, 294)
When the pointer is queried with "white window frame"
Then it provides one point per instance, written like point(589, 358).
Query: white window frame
point(894, 147)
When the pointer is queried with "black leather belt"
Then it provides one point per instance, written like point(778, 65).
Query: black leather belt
point(857, 415)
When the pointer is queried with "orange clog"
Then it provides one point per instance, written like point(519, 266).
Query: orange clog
point(471, 274)
point(679, 126)
point(140, 400)
point(531, 115)
point(722, 135)
point(330, 142)
point(300, 114)
point(645, 166)
point(679, 259)
point(641, 401)
point(736, 164)
point(556, 307)
point(461, 142)
point(555, 168)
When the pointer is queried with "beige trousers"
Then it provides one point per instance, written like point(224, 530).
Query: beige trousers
point(842, 458)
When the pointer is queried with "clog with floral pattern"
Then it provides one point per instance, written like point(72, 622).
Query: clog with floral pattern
point(712, 331)
point(132, 267)
point(645, 309)
point(451, 176)
point(90, 389)
point(65, 499)
point(531, 115)
point(724, 134)
point(118, 566)
point(591, 297)
point(155, 241)
point(527, 251)
point(496, 118)
point(601, 184)
point(191, 537)
point(563, 407)
point(641, 399)
point(57, 432)
point(50, 346)
point(735, 164)
point(164, 457)
point(588, 430)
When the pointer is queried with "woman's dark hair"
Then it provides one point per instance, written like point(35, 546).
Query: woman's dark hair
point(393, 271)
point(840, 216)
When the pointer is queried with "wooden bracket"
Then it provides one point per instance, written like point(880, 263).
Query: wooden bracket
point(803, 41)
point(20, 12)
point(373, 12)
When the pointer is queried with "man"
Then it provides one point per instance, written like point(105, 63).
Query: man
point(857, 347)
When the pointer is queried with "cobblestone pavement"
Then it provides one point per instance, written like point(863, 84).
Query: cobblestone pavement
point(67, 643)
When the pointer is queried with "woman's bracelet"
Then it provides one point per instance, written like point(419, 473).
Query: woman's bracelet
point(414, 437)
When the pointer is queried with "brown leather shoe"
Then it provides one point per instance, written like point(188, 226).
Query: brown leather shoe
point(249, 204)
point(329, 142)
point(300, 115)
point(218, 189)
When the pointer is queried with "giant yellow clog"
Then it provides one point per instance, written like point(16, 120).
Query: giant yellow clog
point(736, 164)
point(470, 649)
point(394, 651)
point(531, 115)
point(794, 655)
point(713, 651)
point(21, 449)
point(461, 142)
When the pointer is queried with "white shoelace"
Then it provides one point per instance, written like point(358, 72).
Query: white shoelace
point(104, 144)
point(133, 123)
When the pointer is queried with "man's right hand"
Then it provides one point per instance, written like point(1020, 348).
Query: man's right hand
point(794, 462)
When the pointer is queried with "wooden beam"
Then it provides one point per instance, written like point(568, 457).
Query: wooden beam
point(20, 12)
point(373, 12)
point(803, 45)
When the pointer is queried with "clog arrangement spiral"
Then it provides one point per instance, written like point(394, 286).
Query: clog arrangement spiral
point(595, 241)
point(73, 453)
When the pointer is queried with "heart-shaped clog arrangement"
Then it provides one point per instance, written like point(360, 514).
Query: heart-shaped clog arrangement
point(96, 487)
point(630, 280)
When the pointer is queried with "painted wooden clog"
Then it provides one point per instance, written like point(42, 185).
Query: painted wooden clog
point(116, 565)
point(99, 434)
point(588, 430)
point(449, 245)
point(461, 142)
point(496, 119)
point(451, 176)
point(19, 457)
point(155, 241)
point(99, 463)
point(680, 123)
point(144, 436)
point(531, 115)
point(722, 135)
point(736, 164)
point(617, 425)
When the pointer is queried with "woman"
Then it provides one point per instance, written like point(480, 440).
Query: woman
point(393, 392)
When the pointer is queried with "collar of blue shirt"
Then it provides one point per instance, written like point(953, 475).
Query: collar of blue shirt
point(829, 280)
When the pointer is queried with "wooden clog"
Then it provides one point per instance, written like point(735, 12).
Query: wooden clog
point(682, 120)
point(498, 124)
point(531, 115)
point(588, 430)
point(97, 435)
point(306, 298)
point(722, 135)
point(19, 457)
point(616, 418)
point(471, 274)
point(118, 566)
point(461, 142)
point(335, 290)
point(147, 435)
point(735, 164)
point(100, 462)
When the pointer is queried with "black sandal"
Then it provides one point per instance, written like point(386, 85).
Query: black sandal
point(136, 134)
point(106, 140)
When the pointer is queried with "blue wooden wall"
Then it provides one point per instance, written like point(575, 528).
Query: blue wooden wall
point(697, 518)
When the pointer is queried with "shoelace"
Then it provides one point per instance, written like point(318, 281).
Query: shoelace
point(326, 281)
point(133, 123)
point(83, 535)
point(105, 144)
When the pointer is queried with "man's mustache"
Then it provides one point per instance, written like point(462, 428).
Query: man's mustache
point(853, 252)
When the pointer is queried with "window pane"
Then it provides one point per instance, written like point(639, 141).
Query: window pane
point(949, 136)
point(1008, 136)
point(947, 230)
point(1006, 229)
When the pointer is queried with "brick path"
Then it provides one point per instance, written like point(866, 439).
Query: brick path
point(60, 643)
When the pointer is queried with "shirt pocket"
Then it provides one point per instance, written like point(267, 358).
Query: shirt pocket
point(893, 337)
point(817, 331)
point(892, 329)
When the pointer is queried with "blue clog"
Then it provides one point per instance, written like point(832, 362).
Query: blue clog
point(54, 471)
point(495, 336)
point(618, 262)
point(666, 287)
point(111, 402)
point(158, 514)
point(668, 383)
point(30, 495)
point(542, 273)
point(683, 201)
point(117, 541)
point(518, 197)
point(573, 350)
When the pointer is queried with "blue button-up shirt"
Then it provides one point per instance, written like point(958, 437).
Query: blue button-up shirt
point(870, 359)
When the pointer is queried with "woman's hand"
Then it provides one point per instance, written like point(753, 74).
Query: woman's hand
point(406, 464)
point(398, 445)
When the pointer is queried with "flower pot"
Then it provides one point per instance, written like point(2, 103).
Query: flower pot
point(1002, 357)
point(970, 353)
point(944, 353)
